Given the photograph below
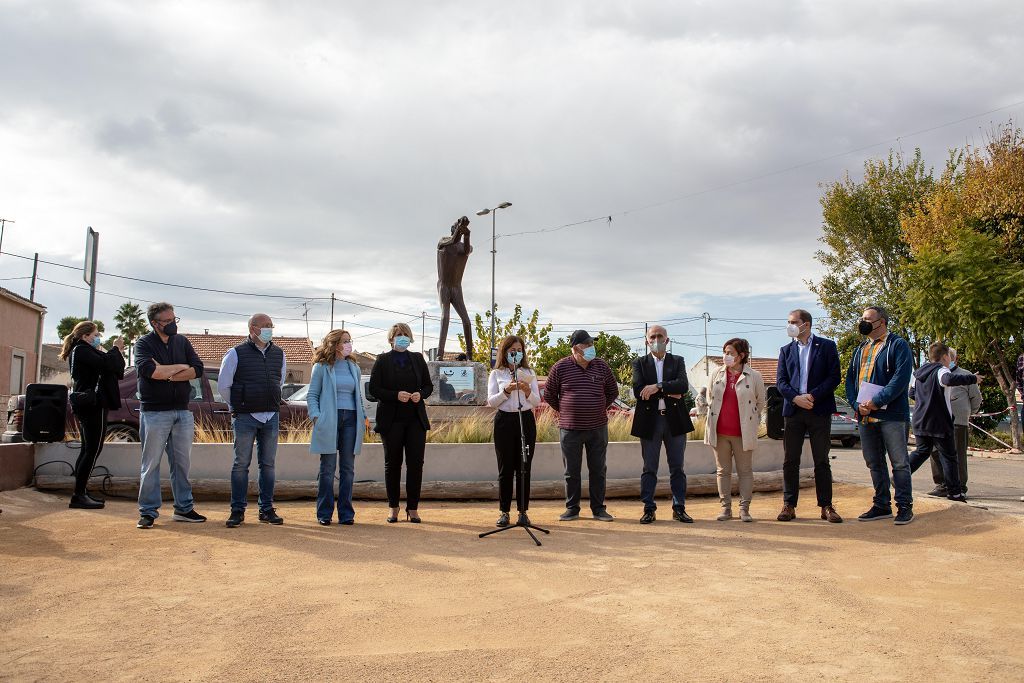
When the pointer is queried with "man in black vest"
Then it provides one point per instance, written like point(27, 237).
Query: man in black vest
point(659, 382)
point(250, 379)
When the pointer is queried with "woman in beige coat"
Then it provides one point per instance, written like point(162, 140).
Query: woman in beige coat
point(736, 399)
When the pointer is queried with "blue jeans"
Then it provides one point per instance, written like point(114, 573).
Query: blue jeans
point(675, 447)
point(345, 461)
point(596, 442)
point(173, 431)
point(249, 430)
point(877, 439)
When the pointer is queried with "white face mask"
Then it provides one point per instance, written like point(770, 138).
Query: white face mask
point(728, 360)
point(793, 330)
point(659, 346)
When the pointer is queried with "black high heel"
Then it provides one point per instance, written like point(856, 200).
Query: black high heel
point(410, 518)
point(392, 520)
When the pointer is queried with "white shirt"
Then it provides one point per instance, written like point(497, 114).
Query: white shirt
point(659, 371)
point(805, 361)
point(947, 391)
point(509, 403)
point(227, 377)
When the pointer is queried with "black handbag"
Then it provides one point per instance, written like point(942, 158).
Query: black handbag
point(83, 400)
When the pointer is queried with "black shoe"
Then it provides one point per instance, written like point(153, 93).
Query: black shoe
point(324, 522)
point(648, 517)
point(236, 519)
point(904, 515)
point(681, 516)
point(876, 513)
point(84, 502)
point(603, 516)
point(569, 516)
point(348, 522)
point(503, 520)
point(523, 519)
point(939, 492)
point(96, 499)
point(959, 498)
point(145, 522)
point(190, 516)
point(270, 516)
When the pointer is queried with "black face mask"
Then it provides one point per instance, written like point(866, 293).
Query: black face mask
point(865, 328)
point(170, 329)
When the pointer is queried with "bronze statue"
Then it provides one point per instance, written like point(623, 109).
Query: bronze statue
point(452, 254)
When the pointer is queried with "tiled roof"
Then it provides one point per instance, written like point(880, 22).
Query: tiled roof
point(766, 366)
point(212, 347)
point(21, 300)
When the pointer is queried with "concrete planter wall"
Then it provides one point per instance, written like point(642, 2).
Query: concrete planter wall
point(450, 471)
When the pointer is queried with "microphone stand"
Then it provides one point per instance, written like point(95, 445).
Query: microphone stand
point(522, 490)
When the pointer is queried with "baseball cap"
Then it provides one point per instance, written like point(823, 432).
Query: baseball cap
point(580, 337)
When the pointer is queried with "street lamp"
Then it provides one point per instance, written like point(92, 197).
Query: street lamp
point(494, 251)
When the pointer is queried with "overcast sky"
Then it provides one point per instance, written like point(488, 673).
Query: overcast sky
point(305, 148)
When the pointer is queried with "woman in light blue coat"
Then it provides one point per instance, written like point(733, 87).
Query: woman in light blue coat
point(335, 402)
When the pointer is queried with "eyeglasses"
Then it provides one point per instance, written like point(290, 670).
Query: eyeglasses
point(168, 322)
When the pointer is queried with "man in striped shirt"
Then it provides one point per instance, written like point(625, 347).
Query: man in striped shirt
point(581, 387)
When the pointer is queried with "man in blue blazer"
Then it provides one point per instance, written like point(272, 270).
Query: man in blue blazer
point(807, 376)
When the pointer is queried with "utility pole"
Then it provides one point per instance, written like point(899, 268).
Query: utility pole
point(423, 328)
point(332, 312)
point(305, 315)
point(3, 222)
point(707, 317)
point(35, 270)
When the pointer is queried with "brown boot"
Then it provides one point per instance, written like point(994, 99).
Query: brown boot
point(829, 513)
point(788, 513)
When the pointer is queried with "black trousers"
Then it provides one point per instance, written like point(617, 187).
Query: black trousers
point(92, 425)
point(410, 439)
point(946, 448)
point(508, 448)
point(819, 429)
point(960, 434)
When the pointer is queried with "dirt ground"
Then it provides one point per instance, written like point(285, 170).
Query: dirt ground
point(86, 595)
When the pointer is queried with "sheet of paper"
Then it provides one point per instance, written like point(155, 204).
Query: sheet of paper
point(868, 391)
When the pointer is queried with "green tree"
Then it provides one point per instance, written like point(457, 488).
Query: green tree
point(970, 295)
point(969, 245)
point(865, 253)
point(536, 336)
point(131, 323)
point(68, 322)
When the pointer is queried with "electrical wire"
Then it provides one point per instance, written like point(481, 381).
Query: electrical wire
point(608, 217)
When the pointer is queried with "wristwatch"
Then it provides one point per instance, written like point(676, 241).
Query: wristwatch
point(659, 386)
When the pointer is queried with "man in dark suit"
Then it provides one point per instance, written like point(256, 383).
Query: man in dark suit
point(807, 376)
point(659, 382)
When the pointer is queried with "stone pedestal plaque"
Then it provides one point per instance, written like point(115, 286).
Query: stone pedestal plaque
point(458, 383)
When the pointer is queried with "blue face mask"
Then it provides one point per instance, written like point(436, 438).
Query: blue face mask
point(266, 334)
point(589, 353)
point(402, 342)
point(95, 342)
point(514, 357)
point(952, 366)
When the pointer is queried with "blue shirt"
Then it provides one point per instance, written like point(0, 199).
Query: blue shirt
point(227, 377)
point(345, 386)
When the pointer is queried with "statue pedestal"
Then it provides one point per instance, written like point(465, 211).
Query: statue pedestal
point(458, 383)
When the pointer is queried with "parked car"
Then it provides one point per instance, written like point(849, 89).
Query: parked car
point(844, 424)
point(369, 403)
point(288, 389)
point(207, 405)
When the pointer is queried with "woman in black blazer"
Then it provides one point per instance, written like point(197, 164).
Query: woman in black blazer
point(95, 374)
point(400, 381)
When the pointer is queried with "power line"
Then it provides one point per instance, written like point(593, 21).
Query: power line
point(787, 169)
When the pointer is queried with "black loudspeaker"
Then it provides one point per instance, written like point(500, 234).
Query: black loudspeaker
point(46, 411)
point(773, 419)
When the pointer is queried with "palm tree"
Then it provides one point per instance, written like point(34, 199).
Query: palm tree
point(131, 324)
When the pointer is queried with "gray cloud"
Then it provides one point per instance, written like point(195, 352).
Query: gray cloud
point(312, 149)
